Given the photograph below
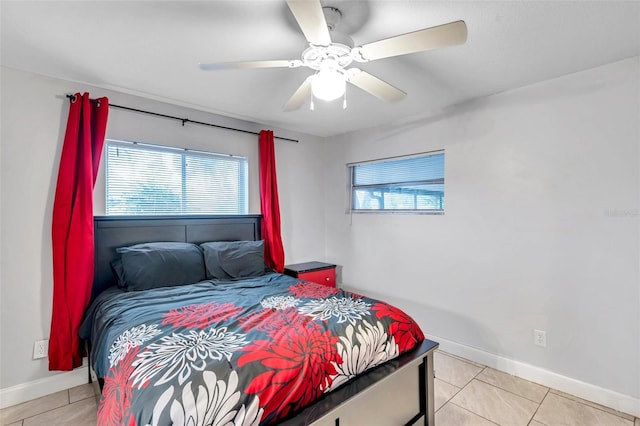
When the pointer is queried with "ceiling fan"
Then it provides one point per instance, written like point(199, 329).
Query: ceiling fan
point(331, 59)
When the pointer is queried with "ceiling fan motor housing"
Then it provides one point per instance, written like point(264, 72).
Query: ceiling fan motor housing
point(314, 56)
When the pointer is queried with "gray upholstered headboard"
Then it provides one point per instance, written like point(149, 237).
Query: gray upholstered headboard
point(111, 232)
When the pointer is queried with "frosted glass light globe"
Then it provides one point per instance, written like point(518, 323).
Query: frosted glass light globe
point(328, 85)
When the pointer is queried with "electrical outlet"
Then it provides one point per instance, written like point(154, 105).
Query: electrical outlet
point(40, 349)
point(540, 338)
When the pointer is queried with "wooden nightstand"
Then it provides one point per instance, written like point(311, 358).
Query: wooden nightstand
point(317, 272)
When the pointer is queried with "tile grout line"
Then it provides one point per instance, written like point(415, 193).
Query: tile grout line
point(539, 405)
point(596, 408)
point(468, 361)
point(588, 404)
point(498, 387)
point(452, 384)
point(513, 393)
point(46, 411)
point(459, 389)
point(474, 413)
point(452, 396)
point(53, 409)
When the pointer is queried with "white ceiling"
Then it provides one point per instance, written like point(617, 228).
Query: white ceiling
point(152, 48)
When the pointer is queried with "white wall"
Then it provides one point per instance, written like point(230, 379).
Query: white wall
point(34, 113)
point(541, 228)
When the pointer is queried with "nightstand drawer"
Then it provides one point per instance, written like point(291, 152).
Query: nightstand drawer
point(317, 272)
point(323, 276)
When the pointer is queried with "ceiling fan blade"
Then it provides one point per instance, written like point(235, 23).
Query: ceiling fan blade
point(311, 20)
point(295, 63)
point(373, 85)
point(300, 96)
point(418, 41)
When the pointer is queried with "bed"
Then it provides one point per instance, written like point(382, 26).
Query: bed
point(257, 348)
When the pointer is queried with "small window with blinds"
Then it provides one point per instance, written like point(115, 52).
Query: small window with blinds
point(410, 184)
point(144, 179)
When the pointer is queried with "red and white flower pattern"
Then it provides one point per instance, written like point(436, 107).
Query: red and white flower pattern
point(212, 404)
point(403, 328)
point(179, 354)
point(130, 339)
point(361, 348)
point(201, 315)
point(344, 309)
point(270, 321)
point(299, 368)
point(279, 302)
point(308, 289)
point(245, 361)
point(117, 392)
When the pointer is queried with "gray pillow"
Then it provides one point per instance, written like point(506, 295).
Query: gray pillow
point(234, 259)
point(161, 264)
point(119, 271)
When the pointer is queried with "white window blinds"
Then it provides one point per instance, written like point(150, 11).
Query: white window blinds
point(143, 179)
point(402, 184)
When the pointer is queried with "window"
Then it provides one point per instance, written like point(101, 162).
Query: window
point(143, 179)
point(401, 184)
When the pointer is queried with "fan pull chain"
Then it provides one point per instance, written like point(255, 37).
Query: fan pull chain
point(311, 104)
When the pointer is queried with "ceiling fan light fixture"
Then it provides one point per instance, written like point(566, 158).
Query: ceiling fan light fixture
point(329, 84)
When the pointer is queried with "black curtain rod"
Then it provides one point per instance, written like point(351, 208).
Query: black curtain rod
point(185, 120)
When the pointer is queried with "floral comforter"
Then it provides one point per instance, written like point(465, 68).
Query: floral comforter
point(246, 352)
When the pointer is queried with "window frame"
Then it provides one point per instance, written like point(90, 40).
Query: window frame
point(351, 167)
point(183, 152)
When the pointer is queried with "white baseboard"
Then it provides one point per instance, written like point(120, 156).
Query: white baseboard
point(37, 388)
point(620, 402)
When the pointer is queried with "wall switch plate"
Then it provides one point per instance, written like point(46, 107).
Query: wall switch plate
point(40, 349)
point(540, 338)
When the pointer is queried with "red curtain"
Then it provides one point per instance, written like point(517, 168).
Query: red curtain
point(270, 227)
point(72, 228)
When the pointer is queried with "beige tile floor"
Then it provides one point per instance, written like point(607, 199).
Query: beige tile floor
point(472, 394)
point(467, 394)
